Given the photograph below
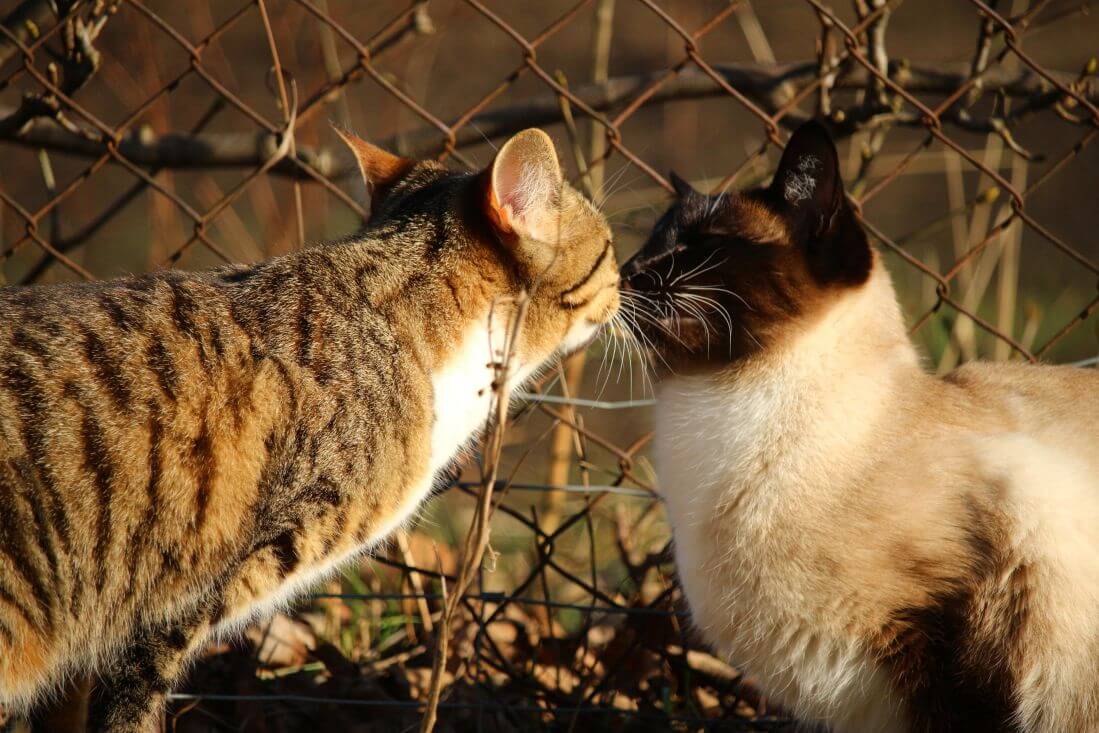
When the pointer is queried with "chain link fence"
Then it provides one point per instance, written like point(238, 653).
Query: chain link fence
point(142, 135)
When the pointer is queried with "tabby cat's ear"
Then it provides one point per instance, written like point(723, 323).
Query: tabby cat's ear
point(380, 168)
point(524, 188)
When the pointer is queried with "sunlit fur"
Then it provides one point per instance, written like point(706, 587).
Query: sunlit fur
point(880, 548)
point(182, 452)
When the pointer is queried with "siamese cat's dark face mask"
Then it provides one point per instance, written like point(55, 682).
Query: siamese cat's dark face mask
point(721, 277)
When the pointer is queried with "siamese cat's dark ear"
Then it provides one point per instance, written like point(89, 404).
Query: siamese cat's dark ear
point(683, 188)
point(808, 191)
point(523, 188)
point(380, 168)
point(807, 183)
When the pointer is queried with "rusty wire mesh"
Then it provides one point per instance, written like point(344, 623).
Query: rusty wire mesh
point(140, 135)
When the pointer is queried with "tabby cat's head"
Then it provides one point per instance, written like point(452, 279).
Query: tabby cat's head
point(516, 227)
point(724, 277)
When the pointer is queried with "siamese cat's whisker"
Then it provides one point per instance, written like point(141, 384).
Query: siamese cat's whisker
point(647, 307)
point(660, 319)
point(714, 289)
point(696, 315)
point(668, 319)
point(706, 300)
point(751, 335)
point(721, 311)
point(698, 272)
point(671, 269)
point(654, 277)
point(691, 308)
point(717, 308)
point(689, 273)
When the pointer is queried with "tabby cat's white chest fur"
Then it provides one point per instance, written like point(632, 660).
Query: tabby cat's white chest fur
point(463, 393)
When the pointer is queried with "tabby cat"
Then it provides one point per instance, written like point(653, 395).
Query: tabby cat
point(181, 452)
point(883, 549)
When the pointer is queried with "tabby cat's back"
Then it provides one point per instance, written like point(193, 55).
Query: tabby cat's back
point(180, 452)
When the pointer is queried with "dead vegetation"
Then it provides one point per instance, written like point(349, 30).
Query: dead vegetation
point(513, 667)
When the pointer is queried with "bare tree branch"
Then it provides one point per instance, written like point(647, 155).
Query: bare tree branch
point(27, 21)
point(762, 83)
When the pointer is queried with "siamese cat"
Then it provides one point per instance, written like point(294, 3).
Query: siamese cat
point(881, 548)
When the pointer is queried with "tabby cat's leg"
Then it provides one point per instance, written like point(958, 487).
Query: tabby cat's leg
point(129, 694)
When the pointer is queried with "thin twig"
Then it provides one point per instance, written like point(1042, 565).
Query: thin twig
point(478, 535)
point(289, 116)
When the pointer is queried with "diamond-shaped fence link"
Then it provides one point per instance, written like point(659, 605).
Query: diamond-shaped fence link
point(146, 134)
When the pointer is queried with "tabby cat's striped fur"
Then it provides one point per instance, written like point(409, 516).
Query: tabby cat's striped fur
point(179, 452)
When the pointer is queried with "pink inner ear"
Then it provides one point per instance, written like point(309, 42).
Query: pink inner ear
point(524, 182)
point(497, 214)
point(510, 187)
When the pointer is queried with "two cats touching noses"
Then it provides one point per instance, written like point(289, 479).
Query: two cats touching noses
point(880, 548)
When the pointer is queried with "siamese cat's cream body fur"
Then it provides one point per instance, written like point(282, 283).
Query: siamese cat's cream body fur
point(809, 483)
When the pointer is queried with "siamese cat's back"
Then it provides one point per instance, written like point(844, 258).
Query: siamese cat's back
point(1044, 396)
point(1043, 416)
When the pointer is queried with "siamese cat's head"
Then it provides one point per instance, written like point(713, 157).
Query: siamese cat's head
point(483, 239)
point(722, 278)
